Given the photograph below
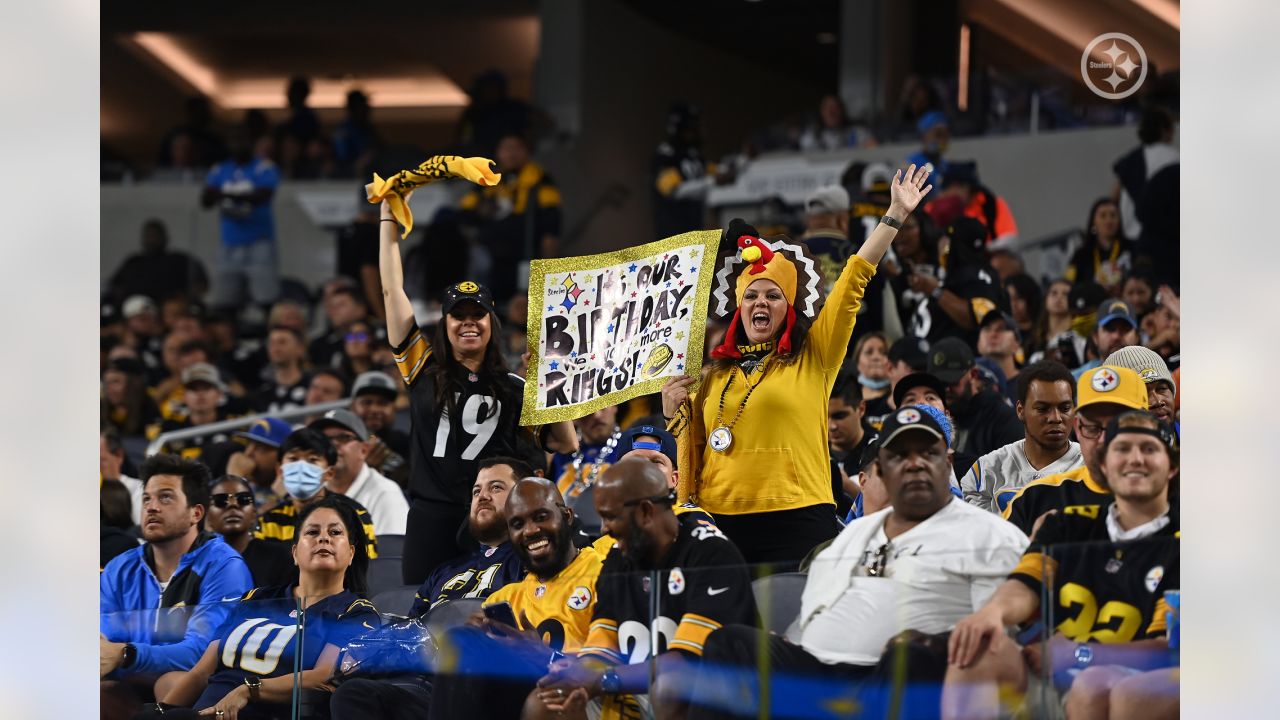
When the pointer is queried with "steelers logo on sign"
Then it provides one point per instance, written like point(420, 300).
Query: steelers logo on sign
point(1148, 374)
point(1104, 380)
point(580, 598)
point(1154, 576)
point(906, 416)
point(468, 287)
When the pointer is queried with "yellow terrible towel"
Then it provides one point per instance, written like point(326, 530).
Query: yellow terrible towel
point(396, 188)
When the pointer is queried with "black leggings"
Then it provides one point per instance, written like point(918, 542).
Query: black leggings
point(781, 538)
point(430, 538)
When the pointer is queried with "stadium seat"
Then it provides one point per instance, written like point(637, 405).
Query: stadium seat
point(390, 546)
point(778, 599)
point(384, 574)
point(585, 508)
point(397, 601)
point(452, 614)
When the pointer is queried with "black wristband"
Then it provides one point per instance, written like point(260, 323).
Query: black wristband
point(387, 220)
point(891, 222)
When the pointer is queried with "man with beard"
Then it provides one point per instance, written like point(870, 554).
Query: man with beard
point(1122, 560)
point(983, 420)
point(1161, 389)
point(492, 565)
point(1046, 405)
point(1102, 394)
point(701, 583)
point(233, 514)
point(1116, 328)
point(161, 602)
point(878, 601)
point(552, 606)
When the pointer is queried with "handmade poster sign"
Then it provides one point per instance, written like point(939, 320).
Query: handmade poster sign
point(607, 328)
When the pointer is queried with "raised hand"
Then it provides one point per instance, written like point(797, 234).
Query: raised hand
point(908, 189)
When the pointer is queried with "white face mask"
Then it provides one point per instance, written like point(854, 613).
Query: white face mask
point(302, 479)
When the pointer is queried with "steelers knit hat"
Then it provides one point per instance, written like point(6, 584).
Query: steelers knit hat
point(1111, 384)
point(1144, 361)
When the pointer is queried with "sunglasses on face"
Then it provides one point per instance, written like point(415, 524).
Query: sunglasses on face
point(224, 500)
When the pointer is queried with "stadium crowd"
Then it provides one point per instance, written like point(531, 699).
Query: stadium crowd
point(955, 493)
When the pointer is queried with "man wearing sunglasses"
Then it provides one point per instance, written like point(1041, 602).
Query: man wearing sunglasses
point(353, 477)
point(1103, 393)
point(233, 514)
point(879, 600)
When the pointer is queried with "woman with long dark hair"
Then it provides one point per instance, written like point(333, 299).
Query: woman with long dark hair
point(753, 439)
point(248, 671)
point(464, 402)
point(1105, 256)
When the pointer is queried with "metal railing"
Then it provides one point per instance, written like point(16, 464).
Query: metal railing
point(240, 422)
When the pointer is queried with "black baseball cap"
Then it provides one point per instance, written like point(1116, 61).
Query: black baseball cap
point(1009, 322)
point(949, 359)
point(666, 442)
point(968, 232)
point(1085, 296)
point(919, 379)
point(909, 419)
point(869, 452)
point(914, 351)
point(467, 290)
point(1115, 309)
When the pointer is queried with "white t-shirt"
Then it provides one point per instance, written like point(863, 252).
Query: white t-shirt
point(996, 477)
point(935, 574)
point(384, 500)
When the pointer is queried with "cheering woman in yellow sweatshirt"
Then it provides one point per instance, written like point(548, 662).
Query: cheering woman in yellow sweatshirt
point(753, 438)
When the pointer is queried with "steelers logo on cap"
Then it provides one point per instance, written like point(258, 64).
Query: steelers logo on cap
point(468, 287)
point(939, 358)
point(1105, 380)
point(906, 416)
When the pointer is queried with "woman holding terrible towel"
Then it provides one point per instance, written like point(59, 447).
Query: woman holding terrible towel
point(753, 438)
point(464, 402)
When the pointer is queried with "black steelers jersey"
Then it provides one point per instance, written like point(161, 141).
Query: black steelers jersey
point(978, 285)
point(445, 449)
point(475, 575)
point(1071, 493)
point(261, 636)
point(280, 523)
point(702, 586)
point(1103, 591)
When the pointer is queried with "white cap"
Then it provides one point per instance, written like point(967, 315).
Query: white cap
point(136, 305)
point(830, 199)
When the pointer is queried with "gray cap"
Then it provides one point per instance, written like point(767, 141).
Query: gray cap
point(1144, 361)
point(344, 419)
point(376, 382)
point(205, 373)
point(830, 199)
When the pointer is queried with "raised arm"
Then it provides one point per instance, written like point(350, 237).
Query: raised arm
point(906, 191)
point(399, 311)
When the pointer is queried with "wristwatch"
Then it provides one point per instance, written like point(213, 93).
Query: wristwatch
point(610, 683)
point(936, 293)
point(895, 224)
point(1084, 655)
point(254, 683)
point(128, 655)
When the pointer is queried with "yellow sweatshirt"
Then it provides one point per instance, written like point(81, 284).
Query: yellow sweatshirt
point(779, 459)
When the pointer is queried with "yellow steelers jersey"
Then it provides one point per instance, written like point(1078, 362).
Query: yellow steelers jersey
point(560, 607)
point(280, 522)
